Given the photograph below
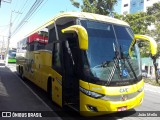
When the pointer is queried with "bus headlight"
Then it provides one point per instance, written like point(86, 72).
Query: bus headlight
point(95, 95)
point(91, 93)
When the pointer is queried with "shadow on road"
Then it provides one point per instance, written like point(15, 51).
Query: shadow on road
point(2, 64)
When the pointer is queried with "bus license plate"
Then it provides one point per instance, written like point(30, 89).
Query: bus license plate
point(122, 108)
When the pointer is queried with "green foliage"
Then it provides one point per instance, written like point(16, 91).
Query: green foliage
point(103, 7)
point(75, 3)
point(145, 50)
point(154, 13)
point(138, 21)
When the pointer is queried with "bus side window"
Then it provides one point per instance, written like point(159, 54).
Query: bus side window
point(56, 60)
point(51, 39)
point(52, 35)
point(30, 46)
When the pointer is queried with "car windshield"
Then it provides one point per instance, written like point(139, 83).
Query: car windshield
point(107, 57)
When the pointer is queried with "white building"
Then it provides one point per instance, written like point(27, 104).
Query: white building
point(133, 6)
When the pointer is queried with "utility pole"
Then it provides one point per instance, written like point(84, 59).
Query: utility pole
point(2, 48)
point(9, 37)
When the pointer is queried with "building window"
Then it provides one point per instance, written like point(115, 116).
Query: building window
point(125, 5)
point(142, 1)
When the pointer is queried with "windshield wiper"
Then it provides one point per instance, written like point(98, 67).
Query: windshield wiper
point(103, 64)
point(116, 62)
point(129, 63)
point(131, 68)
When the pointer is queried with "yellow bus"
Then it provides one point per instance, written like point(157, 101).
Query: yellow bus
point(86, 61)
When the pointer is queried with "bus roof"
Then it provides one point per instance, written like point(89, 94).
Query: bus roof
point(92, 16)
point(83, 15)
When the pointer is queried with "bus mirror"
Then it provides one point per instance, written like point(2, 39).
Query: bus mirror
point(82, 35)
point(152, 42)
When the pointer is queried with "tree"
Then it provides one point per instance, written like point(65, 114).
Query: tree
point(103, 7)
point(138, 21)
point(154, 13)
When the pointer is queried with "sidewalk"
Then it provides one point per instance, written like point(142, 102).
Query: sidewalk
point(16, 96)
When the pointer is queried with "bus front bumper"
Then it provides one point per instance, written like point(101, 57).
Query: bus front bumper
point(92, 107)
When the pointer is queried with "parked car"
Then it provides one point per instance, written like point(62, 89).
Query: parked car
point(144, 73)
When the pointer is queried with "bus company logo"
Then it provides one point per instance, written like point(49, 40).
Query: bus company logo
point(122, 90)
point(124, 97)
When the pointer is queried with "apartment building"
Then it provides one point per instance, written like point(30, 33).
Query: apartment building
point(133, 6)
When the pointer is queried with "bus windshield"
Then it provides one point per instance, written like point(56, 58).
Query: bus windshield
point(12, 53)
point(107, 58)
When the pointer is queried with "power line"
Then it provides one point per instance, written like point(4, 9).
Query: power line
point(38, 10)
point(34, 7)
point(22, 11)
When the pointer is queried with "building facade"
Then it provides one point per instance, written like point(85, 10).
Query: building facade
point(133, 6)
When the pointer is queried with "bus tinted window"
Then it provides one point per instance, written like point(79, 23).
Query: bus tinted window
point(52, 35)
point(57, 57)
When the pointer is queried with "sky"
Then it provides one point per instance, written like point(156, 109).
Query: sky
point(47, 10)
point(117, 7)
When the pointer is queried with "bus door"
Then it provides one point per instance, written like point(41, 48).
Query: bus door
point(57, 77)
point(70, 81)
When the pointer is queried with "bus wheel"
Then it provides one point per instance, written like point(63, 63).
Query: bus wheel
point(21, 72)
point(19, 69)
point(49, 88)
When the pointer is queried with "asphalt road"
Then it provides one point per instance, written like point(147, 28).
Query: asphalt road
point(17, 97)
point(149, 110)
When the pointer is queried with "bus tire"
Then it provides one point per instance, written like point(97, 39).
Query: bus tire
point(49, 88)
point(21, 72)
point(19, 69)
